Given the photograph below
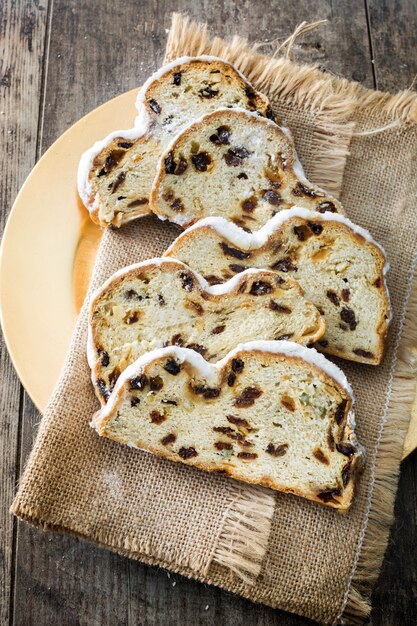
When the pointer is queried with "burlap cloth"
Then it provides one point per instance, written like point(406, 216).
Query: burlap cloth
point(272, 548)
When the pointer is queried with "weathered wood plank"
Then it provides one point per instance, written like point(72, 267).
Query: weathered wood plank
point(22, 34)
point(393, 31)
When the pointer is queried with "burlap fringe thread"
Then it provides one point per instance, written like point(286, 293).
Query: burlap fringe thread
point(244, 535)
point(332, 101)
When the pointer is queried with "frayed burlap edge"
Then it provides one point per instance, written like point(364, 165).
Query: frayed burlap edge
point(244, 534)
point(375, 535)
point(333, 101)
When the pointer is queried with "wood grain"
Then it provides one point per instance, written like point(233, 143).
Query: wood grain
point(92, 52)
point(22, 35)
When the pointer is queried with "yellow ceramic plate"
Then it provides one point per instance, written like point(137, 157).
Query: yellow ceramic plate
point(48, 251)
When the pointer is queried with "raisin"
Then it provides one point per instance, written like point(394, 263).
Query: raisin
point(284, 265)
point(218, 329)
point(288, 404)
point(242, 175)
point(340, 412)
point(201, 161)
point(131, 293)
point(169, 164)
point(114, 376)
point(104, 390)
point(177, 205)
point(242, 287)
point(187, 281)
point(248, 456)
point(181, 167)
point(208, 92)
point(119, 181)
point(125, 144)
point(317, 229)
point(138, 202)
point(247, 397)
point(302, 190)
point(104, 357)
point(237, 269)
point(213, 280)
point(154, 106)
point(279, 450)
point(161, 299)
point(327, 495)
point(260, 288)
point(231, 379)
point(326, 206)
point(197, 307)
point(197, 348)
point(172, 367)
point(249, 204)
point(235, 156)
point(206, 392)
point(346, 448)
point(134, 401)
point(157, 417)
point(234, 252)
point(377, 283)
point(346, 474)
point(131, 319)
point(333, 297)
point(168, 439)
point(300, 232)
point(364, 353)
point(323, 343)
point(174, 168)
point(345, 295)
point(187, 453)
point(320, 456)
point(225, 430)
point(330, 439)
point(176, 79)
point(237, 366)
point(272, 197)
point(223, 445)
point(168, 196)
point(156, 383)
point(348, 316)
point(112, 160)
point(222, 136)
point(240, 422)
point(138, 382)
point(280, 308)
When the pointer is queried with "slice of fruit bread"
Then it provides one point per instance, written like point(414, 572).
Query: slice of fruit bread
point(272, 413)
point(163, 302)
point(234, 164)
point(115, 176)
point(337, 263)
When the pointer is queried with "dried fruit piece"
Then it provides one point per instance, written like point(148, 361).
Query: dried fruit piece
point(277, 450)
point(247, 397)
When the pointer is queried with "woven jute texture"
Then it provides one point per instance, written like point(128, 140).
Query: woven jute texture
point(272, 548)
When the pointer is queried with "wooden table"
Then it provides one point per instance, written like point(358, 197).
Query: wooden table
point(58, 60)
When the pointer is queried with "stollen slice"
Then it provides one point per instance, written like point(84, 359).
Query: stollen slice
point(337, 263)
point(115, 175)
point(162, 302)
point(271, 413)
point(234, 164)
